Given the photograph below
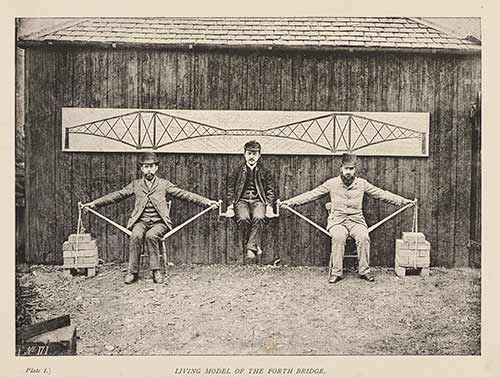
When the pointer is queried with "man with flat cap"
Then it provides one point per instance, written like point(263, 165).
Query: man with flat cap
point(250, 194)
point(150, 219)
point(346, 214)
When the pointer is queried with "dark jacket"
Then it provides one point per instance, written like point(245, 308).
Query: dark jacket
point(264, 184)
point(159, 194)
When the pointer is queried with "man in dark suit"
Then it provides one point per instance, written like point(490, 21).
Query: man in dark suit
point(250, 194)
point(150, 219)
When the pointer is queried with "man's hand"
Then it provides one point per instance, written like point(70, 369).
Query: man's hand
point(213, 203)
point(407, 201)
point(90, 205)
point(286, 203)
point(230, 211)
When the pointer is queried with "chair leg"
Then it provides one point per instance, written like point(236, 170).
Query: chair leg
point(165, 262)
point(330, 265)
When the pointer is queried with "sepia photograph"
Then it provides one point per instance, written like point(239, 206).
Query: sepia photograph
point(248, 186)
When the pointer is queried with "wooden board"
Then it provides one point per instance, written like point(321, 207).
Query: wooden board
point(24, 333)
point(40, 194)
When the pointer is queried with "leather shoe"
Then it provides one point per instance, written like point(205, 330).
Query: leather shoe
point(158, 277)
point(130, 278)
point(334, 279)
point(250, 254)
point(368, 277)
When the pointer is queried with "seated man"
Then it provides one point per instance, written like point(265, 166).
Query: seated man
point(150, 219)
point(250, 193)
point(346, 216)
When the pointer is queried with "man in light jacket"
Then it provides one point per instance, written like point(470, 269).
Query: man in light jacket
point(346, 215)
point(150, 219)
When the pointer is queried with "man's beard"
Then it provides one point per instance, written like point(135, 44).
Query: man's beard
point(347, 180)
point(149, 176)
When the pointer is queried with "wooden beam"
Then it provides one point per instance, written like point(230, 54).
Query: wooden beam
point(30, 331)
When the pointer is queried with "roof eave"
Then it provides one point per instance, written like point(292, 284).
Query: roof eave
point(210, 46)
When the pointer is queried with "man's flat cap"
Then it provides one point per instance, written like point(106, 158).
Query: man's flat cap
point(252, 145)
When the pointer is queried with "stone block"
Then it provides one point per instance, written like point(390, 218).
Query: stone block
point(80, 253)
point(424, 253)
point(413, 237)
point(83, 237)
point(82, 262)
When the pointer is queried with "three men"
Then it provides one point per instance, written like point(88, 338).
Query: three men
point(346, 216)
point(150, 219)
point(250, 193)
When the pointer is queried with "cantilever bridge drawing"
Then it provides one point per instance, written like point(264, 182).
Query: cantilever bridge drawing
point(287, 132)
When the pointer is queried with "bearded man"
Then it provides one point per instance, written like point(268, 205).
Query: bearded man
point(346, 215)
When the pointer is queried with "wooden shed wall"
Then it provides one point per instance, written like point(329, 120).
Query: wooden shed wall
point(443, 84)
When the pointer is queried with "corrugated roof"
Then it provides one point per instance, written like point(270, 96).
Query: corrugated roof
point(349, 32)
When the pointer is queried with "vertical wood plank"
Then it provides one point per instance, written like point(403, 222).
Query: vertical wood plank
point(425, 165)
point(476, 182)
point(40, 199)
point(237, 81)
point(66, 224)
point(131, 170)
point(410, 85)
point(199, 232)
point(82, 162)
point(234, 253)
point(217, 183)
point(270, 82)
point(445, 173)
point(254, 99)
point(462, 179)
point(286, 178)
point(201, 90)
point(167, 97)
point(184, 80)
point(118, 97)
point(97, 98)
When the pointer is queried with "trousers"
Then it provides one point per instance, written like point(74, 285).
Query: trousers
point(250, 217)
point(339, 234)
point(147, 236)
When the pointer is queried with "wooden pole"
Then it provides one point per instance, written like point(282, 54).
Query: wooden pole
point(374, 226)
point(180, 226)
point(309, 221)
point(123, 229)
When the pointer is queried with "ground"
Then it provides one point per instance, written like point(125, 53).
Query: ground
point(251, 310)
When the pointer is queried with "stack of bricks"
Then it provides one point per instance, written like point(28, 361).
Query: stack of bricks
point(413, 251)
point(81, 255)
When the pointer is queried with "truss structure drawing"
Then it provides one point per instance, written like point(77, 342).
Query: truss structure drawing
point(334, 132)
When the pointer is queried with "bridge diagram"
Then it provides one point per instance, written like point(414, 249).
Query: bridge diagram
point(156, 130)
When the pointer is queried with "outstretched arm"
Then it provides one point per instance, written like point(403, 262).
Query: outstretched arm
point(384, 195)
point(308, 196)
point(189, 196)
point(111, 198)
